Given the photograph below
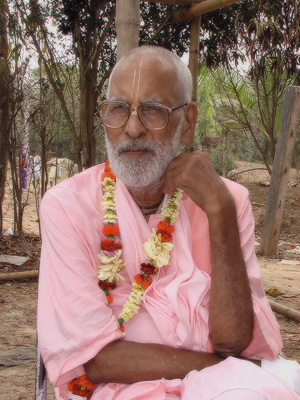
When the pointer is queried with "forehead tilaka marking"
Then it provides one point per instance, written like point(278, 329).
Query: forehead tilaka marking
point(136, 83)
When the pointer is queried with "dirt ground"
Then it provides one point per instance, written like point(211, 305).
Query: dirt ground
point(18, 298)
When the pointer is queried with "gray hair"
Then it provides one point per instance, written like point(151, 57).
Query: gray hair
point(183, 79)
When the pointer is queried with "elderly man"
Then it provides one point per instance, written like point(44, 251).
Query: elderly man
point(149, 284)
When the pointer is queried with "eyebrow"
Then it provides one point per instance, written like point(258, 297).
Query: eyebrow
point(153, 101)
point(146, 101)
point(117, 99)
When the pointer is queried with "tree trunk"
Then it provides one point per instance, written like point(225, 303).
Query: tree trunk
point(194, 68)
point(88, 98)
point(280, 172)
point(127, 25)
point(5, 98)
point(53, 72)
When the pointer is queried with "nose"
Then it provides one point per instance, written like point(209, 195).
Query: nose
point(134, 126)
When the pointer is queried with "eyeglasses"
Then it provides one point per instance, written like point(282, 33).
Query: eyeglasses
point(115, 114)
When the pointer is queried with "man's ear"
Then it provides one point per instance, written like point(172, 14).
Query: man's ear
point(189, 123)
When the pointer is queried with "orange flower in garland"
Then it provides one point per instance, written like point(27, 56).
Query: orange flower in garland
point(109, 299)
point(143, 279)
point(165, 230)
point(148, 269)
point(166, 227)
point(110, 230)
point(81, 386)
point(107, 285)
point(165, 236)
point(108, 172)
point(110, 245)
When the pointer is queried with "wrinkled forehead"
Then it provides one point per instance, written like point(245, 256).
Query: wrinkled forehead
point(144, 77)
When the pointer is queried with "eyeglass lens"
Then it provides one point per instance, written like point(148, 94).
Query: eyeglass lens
point(116, 114)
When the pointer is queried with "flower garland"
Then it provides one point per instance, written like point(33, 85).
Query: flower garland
point(157, 251)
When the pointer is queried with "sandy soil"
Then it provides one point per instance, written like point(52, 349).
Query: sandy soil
point(18, 299)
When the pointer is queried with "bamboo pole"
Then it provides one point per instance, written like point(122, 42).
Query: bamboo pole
point(176, 2)
point(196, 10)
point(16, 276)
point(286, 311)
point(127, 25)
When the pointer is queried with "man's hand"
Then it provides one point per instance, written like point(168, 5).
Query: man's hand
point(196, 176)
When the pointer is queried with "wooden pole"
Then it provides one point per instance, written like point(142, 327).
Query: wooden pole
point(286, 311)
point(127, 25)
point(280, 172)
point(16, 276)
point(198, 9)
point(194, 68)
point(176, 2)
point(194, 54)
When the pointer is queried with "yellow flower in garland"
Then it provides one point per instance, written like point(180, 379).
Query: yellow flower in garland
point(131, 306)
point(172, 211)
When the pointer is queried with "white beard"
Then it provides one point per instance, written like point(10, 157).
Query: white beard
point(144, 172)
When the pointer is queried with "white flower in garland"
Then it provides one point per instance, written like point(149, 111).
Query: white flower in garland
point(110, 217)
point(109, 204)
point(156, 251)
point(110, 267)
point(107, 181)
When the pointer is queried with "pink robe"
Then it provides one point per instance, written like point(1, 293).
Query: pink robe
point(75, 322)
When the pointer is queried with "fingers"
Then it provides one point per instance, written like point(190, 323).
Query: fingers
point(196, 176)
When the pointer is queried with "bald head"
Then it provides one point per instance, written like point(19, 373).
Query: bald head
point(154, 58)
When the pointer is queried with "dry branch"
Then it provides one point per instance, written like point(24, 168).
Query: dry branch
point(16, 276)
point(285, 311)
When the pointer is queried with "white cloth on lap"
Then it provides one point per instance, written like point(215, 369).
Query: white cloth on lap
point(288, 371)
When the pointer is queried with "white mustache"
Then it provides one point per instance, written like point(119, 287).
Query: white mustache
point(136, 146)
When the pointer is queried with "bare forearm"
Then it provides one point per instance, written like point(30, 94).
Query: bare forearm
point(128, 362)
point(230, 303)
point(231, 310)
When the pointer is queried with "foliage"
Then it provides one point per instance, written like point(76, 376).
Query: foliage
point(250, 109)
point(222, 161)
point(157, 28)
point(206, 109)
point(258, 31)
point(86, 22)
point(90, 27)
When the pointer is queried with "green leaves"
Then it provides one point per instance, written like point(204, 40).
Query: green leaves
point(257, 30)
